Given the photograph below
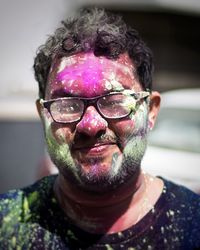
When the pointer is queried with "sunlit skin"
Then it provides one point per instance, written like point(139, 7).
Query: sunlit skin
point(99, 160)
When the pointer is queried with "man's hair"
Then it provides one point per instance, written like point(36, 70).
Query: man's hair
point(103, 33)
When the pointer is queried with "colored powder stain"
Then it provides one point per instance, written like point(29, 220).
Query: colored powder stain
point(91, 77)
point(116, 165)
point(26, 206)
point(13, 241)
point(120, 234)
point(26, 209)
point(92, 122)
point(47, 237)
point(71, 235)
point(108, 247)
point(130, 103)
point(6, 219)
point(140, 118)
point(89, 73)
point(33, 197)
point(6, 201)
point(60, 153)
point(54, 200)
point(162, 230)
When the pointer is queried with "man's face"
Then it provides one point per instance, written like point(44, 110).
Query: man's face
point(95, 153)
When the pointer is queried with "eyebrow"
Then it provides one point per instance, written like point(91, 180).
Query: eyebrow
point(61, 93)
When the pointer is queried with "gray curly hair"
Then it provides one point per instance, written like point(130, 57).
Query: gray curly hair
point(104, 33)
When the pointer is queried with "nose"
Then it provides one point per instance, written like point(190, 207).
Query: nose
point(91, 123)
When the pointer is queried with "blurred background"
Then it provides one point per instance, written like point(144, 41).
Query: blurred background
point(170, 27)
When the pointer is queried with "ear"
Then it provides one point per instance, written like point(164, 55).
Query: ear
point(153, 108)
point(39, 107)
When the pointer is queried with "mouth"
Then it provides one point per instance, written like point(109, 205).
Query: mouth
point(95, 149)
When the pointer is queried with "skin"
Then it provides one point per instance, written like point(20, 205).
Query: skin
point(98, 159)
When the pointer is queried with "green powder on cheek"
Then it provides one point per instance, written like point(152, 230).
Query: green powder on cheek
point(137, 141)
point(136, 148)
point(140, 118)
point(60, 152)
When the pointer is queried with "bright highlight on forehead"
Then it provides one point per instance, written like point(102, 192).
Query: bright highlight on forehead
point(87, 75)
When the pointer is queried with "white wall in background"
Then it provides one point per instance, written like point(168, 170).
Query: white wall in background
point(24, 25)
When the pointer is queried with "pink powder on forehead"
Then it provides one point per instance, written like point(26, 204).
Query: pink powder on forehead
point(87, 72)
point(86, 75)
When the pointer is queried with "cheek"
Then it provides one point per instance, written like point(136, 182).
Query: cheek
point(134, 125)
point(141, 118)
point(62, 134)
point(124, 128)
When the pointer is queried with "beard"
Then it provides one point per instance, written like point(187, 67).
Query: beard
point(124, 167)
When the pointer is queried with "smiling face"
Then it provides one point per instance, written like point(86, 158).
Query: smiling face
point(94, 153)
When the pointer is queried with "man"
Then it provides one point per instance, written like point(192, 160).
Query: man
point(97, 107)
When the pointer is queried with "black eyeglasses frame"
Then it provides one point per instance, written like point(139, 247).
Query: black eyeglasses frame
point(94, 102)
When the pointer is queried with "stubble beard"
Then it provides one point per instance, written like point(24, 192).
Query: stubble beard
point(124, 167)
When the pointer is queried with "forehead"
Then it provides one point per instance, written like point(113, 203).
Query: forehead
point(86, 75)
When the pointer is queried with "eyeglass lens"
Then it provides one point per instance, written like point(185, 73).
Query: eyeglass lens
point(111, 106)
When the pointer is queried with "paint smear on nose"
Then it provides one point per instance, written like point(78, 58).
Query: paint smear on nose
point(86, 72)
point(92, 122)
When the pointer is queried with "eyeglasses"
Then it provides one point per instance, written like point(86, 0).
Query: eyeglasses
point(114, 105)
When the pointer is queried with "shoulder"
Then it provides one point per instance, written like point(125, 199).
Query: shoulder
point(20, 212)
point(184, 205)
point(9, 201)
point(15, 204)
point(178, 214)
point(181, 194)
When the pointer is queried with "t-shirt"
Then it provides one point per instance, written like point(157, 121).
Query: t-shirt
point(31, 218)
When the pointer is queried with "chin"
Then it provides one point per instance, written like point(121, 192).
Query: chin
point(103, 173)
point(104, 176)
point(101, 177)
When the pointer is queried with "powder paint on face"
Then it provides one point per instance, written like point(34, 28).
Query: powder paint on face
point(122, 167)
point(92, 122)
point(59, 152)
point(68, 166)
point(135, 147)
point(87, 71)
point(141, 117)
point(87, 75)
point(124, 157)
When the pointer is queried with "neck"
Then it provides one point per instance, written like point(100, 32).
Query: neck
point(106, 213)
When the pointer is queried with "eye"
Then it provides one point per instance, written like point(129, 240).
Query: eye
point(67, 110)
point(116, 106)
